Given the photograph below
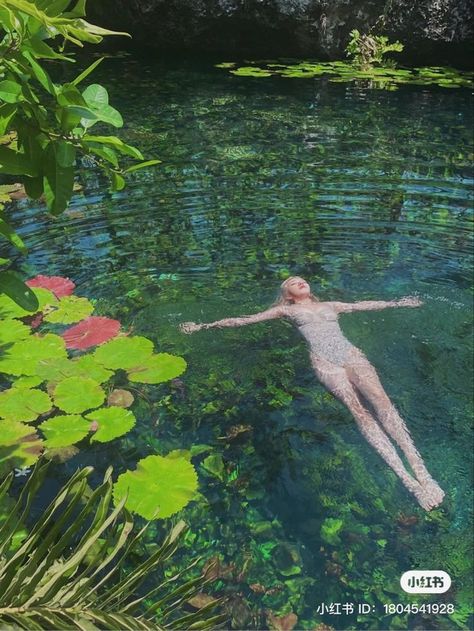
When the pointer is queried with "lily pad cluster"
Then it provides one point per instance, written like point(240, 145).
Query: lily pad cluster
point(342, 71)
point(61, 388)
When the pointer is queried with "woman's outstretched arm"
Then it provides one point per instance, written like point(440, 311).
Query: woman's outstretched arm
point(374, 305)
point(269, 314)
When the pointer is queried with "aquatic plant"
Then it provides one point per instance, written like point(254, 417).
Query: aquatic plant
point(372, 76)
point(63, 395)
point(73, 568)
point(369, 50)
point(44, 125)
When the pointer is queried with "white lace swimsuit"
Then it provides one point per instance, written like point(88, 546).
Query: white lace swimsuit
point(321, 330)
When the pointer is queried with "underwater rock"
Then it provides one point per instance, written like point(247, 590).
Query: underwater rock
point(433, 31)
point(239, 612)
point(282, 623)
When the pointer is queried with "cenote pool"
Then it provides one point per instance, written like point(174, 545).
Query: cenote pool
point(367, 194)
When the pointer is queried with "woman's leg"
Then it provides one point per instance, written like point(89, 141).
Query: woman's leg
point(364, 377)
point(336, 381)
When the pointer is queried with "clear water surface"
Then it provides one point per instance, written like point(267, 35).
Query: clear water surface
point(368, 195)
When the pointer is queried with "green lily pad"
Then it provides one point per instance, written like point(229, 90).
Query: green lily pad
point(20, 446)
point(77, 394)
point(64, 430)
point(112, 421)
point(58, 369)
point(21, 404)
point(159, 487)
point(9, 309)
point(12, 331)
point(124, 352)
point(158, 368)
point(70, 309)
point(22, 358)
point(249, 71)
point(28, 382)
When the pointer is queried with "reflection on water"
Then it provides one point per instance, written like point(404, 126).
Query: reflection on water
point(367, 194)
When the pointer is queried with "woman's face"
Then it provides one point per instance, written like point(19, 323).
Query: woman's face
point(297, 288)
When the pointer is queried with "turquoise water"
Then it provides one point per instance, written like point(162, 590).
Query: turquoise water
point(368, 195)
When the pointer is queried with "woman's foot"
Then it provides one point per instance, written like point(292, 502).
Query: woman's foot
point(428, 498)
point(431, 487)
point(435, 492)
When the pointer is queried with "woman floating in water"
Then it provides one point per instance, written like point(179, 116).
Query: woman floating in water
point(348, 374)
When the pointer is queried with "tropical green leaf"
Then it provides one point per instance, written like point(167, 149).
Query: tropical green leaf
point(85, 73)
point(15, 163)
point(142, 165)
point(12, 285)
point(124, 352)
point(77, 394)
point(22, 404)
point(158, 368)
point(58, 179)
point(112, 423)
point(170, 484)
point(64, 430)
point(7, 231)
point(11, 309)
point(116, 143)
point(22, 357)
point(9, 91)
point(70, 309)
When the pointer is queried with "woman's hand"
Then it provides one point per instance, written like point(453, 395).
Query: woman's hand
point(190, 327)
point(409, 301)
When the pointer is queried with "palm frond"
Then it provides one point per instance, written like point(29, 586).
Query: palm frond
point(74, 568)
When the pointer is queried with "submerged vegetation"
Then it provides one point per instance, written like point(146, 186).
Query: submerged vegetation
point(369, 67)
point(64, 395)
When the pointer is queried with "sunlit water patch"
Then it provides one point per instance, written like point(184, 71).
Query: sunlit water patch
point(367, 194)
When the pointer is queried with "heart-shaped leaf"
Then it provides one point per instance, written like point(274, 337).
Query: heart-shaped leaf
point(159, 487)
point(124, 352)
point(158, 368)
point(70, 309)
point(91, 332)
point(21, 404)
point(64, 430)
point(77, 394)
point(112, 422)
point(22, 358)
point(59, 285)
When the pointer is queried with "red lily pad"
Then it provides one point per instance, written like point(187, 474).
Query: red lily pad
point(59, 285)
point(91, 331)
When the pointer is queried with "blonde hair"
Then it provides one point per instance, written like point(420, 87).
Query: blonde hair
point(283, 299)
